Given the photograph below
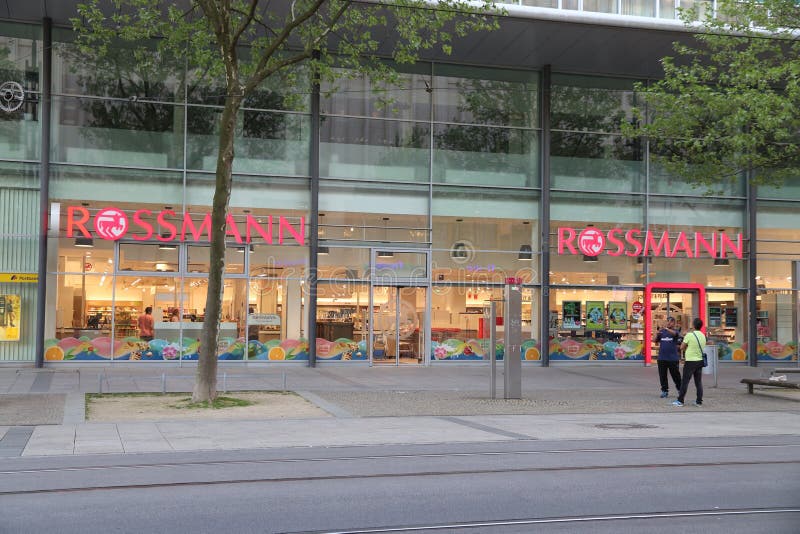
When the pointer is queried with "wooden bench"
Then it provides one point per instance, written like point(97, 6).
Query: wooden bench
point(764, 382)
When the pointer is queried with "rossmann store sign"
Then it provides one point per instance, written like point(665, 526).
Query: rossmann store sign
point(167, 225)
point(592, 241)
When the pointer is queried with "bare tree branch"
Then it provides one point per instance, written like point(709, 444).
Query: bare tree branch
point(259, 74)
point(248, 18)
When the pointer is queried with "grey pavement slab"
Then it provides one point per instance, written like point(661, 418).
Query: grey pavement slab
point(91, 438)
point(31, 409)
point(388, 405)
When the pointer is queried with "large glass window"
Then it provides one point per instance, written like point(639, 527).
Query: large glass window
point(487, 234)
point(460, 322)
point(266, 143)
point(20, 53)
point(778, 250)
point(705, 238)
point(581, 157)
point(113, 132)
point(408, 99)
point(395, 216)
point(598, 261)
point(374, 149)
point(595, 324)
point(485, 126)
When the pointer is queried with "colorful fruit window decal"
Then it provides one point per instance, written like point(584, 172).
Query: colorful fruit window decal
point(134, 349)
point(475, 349)
point(593, 349)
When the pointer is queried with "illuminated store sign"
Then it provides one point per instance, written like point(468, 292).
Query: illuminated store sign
point(592, 241)
point(113, 224)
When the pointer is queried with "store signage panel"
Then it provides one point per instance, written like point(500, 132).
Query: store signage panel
point(9, 317)
point(19, 278)
point(617, 315)
point(595, 315)
point(592, 241)
point(113, 224)
point(264, 319)
point(571, 314)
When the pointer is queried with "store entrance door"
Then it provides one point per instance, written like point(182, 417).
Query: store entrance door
point(683, 301)
point(397, 325)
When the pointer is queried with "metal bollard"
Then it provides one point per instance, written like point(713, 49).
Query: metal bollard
point(224, 382)
point(163, 383)
point(284, 381)
point(100, 383)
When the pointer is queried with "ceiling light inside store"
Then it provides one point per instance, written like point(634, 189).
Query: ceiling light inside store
point(721, 262)
point(84, 242)
point(589, 259)
point(168, 245)
point(525, 253)
point(323, 250)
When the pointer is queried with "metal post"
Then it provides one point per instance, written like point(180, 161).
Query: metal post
point(44, 187)
point(493, 349)
point(544, 221)
point(796, 311)
point(512, 329)
point(100, 383)
point(314, 226)
point(752, 268)
point(284, 381)
point(163, 383)
point(225, 382)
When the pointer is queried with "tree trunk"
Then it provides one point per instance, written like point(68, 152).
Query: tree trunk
point(205, 386)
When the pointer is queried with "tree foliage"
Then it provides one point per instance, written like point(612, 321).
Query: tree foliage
point(727, 104)
point(240, 44)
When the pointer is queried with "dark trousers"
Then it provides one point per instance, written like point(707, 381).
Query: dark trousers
point(674, 371)
point(692, 370)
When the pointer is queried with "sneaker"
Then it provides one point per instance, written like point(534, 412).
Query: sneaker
point(664, 394)
point(677, 403)
point(695, 403)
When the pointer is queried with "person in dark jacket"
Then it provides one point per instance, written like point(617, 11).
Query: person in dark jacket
point(668, 357)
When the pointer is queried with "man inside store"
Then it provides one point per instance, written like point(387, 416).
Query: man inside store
point(145, 324)
point(668, 339)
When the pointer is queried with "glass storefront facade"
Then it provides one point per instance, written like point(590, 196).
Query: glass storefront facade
point(427, 206)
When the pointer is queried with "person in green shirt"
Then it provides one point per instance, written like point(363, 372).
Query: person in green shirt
point(694, 342)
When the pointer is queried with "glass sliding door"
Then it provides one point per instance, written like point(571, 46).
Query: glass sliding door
point(398, 325)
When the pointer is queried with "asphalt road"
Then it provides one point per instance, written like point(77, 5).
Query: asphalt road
point(704, 485)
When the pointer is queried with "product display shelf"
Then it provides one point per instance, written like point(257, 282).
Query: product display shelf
point(124, 316)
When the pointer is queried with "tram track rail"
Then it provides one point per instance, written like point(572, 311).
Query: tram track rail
point(379, 470)
point(563, 520)
point(395, 456)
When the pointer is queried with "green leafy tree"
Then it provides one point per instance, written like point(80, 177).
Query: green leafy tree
point(728, 103)
point(245, 42)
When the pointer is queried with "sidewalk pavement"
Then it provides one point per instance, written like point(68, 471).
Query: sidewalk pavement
point(42, 410)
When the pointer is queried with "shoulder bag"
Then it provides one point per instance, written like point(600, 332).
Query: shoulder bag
point(702, 349)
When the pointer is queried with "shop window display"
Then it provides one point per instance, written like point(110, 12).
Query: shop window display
point(596, 325)
point(342, 320)
point(102, 305)
point(460, 323)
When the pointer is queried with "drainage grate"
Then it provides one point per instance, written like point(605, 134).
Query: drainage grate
point(623, 426)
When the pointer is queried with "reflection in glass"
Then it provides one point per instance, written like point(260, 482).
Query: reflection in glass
point(583, 161)
point(493, 97)
point(479, 155)
point(408, 99)
point(110, 132)
point(374, 149)
point(269, 142)
point(148, 257)
point(590, 104)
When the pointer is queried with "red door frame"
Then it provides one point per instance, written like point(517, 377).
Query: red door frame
point(676, 287)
